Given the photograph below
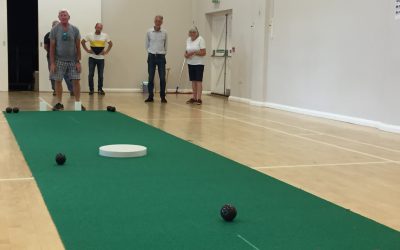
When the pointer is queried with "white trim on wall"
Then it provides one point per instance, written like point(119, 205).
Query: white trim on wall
point(184, 91)
point(354, 120)
point(122, 90)
point(138, 90)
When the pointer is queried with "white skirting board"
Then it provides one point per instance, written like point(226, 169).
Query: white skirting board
point(116, 90)
point(187, 91)
point(112, 90)
point(184, 91)
point(336, 117)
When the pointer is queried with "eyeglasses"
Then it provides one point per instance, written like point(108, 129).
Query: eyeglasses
point(65, 36)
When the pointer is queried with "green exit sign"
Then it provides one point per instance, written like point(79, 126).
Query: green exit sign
point(215, 1)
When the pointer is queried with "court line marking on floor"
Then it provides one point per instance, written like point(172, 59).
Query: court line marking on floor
point(43, 100)
point(247, 242)
point(317, 132)
point(17, 179)
point(308, 134)
point(325, 165)
point(175, 119)
point(295, 135)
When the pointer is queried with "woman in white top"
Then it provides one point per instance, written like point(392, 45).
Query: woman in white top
point(195, 52)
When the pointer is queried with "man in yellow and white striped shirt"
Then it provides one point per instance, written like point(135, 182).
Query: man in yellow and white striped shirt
point(100, 45)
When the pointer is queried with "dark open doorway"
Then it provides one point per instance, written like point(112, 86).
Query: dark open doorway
point(23, 56)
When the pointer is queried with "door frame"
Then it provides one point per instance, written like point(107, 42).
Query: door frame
point(227, 55)
point(3, 47)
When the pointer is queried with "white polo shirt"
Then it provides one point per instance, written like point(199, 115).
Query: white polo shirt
point(156, 41)
point(192, 46)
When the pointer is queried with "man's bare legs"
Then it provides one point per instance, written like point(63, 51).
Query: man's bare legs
point(59, 90)
point(77, 93)
point(77, 90)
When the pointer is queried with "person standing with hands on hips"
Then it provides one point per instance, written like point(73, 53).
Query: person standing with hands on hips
point(156, 46)
point(98, 41)
point(194, 54)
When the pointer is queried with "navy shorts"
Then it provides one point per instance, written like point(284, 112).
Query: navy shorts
point(196, 73)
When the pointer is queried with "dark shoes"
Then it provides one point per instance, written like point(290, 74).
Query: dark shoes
point(150, 99)
point(191, 101)
point(54, 93)
point(58, 107)
point(194, 101)
point(100, 91)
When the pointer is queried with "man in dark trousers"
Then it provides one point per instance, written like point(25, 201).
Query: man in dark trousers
point(100, 45)
point(156, 46)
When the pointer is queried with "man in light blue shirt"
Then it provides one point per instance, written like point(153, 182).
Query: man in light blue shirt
point(156, 46)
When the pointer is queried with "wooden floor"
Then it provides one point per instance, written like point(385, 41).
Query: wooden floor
point(355, 167)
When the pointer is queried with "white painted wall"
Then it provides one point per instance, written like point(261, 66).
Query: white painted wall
point(340, 57)
point(3, 47)
point(337, 59)
point(84, 15)
point(127, 23)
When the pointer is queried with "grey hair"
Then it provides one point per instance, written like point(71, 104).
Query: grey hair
point(159, 16)
point(63, 10)
point(194, 29)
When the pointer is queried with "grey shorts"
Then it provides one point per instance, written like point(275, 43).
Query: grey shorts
point(64, 68)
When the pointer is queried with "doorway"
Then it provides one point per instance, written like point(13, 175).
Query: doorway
point(23, 57)
point(221, 45)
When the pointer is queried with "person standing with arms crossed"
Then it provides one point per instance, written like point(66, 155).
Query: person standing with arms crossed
point(65, 56)
point(97, 51)
point(156, 46)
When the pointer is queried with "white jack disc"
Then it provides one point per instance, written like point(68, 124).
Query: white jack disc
point(122, 151)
